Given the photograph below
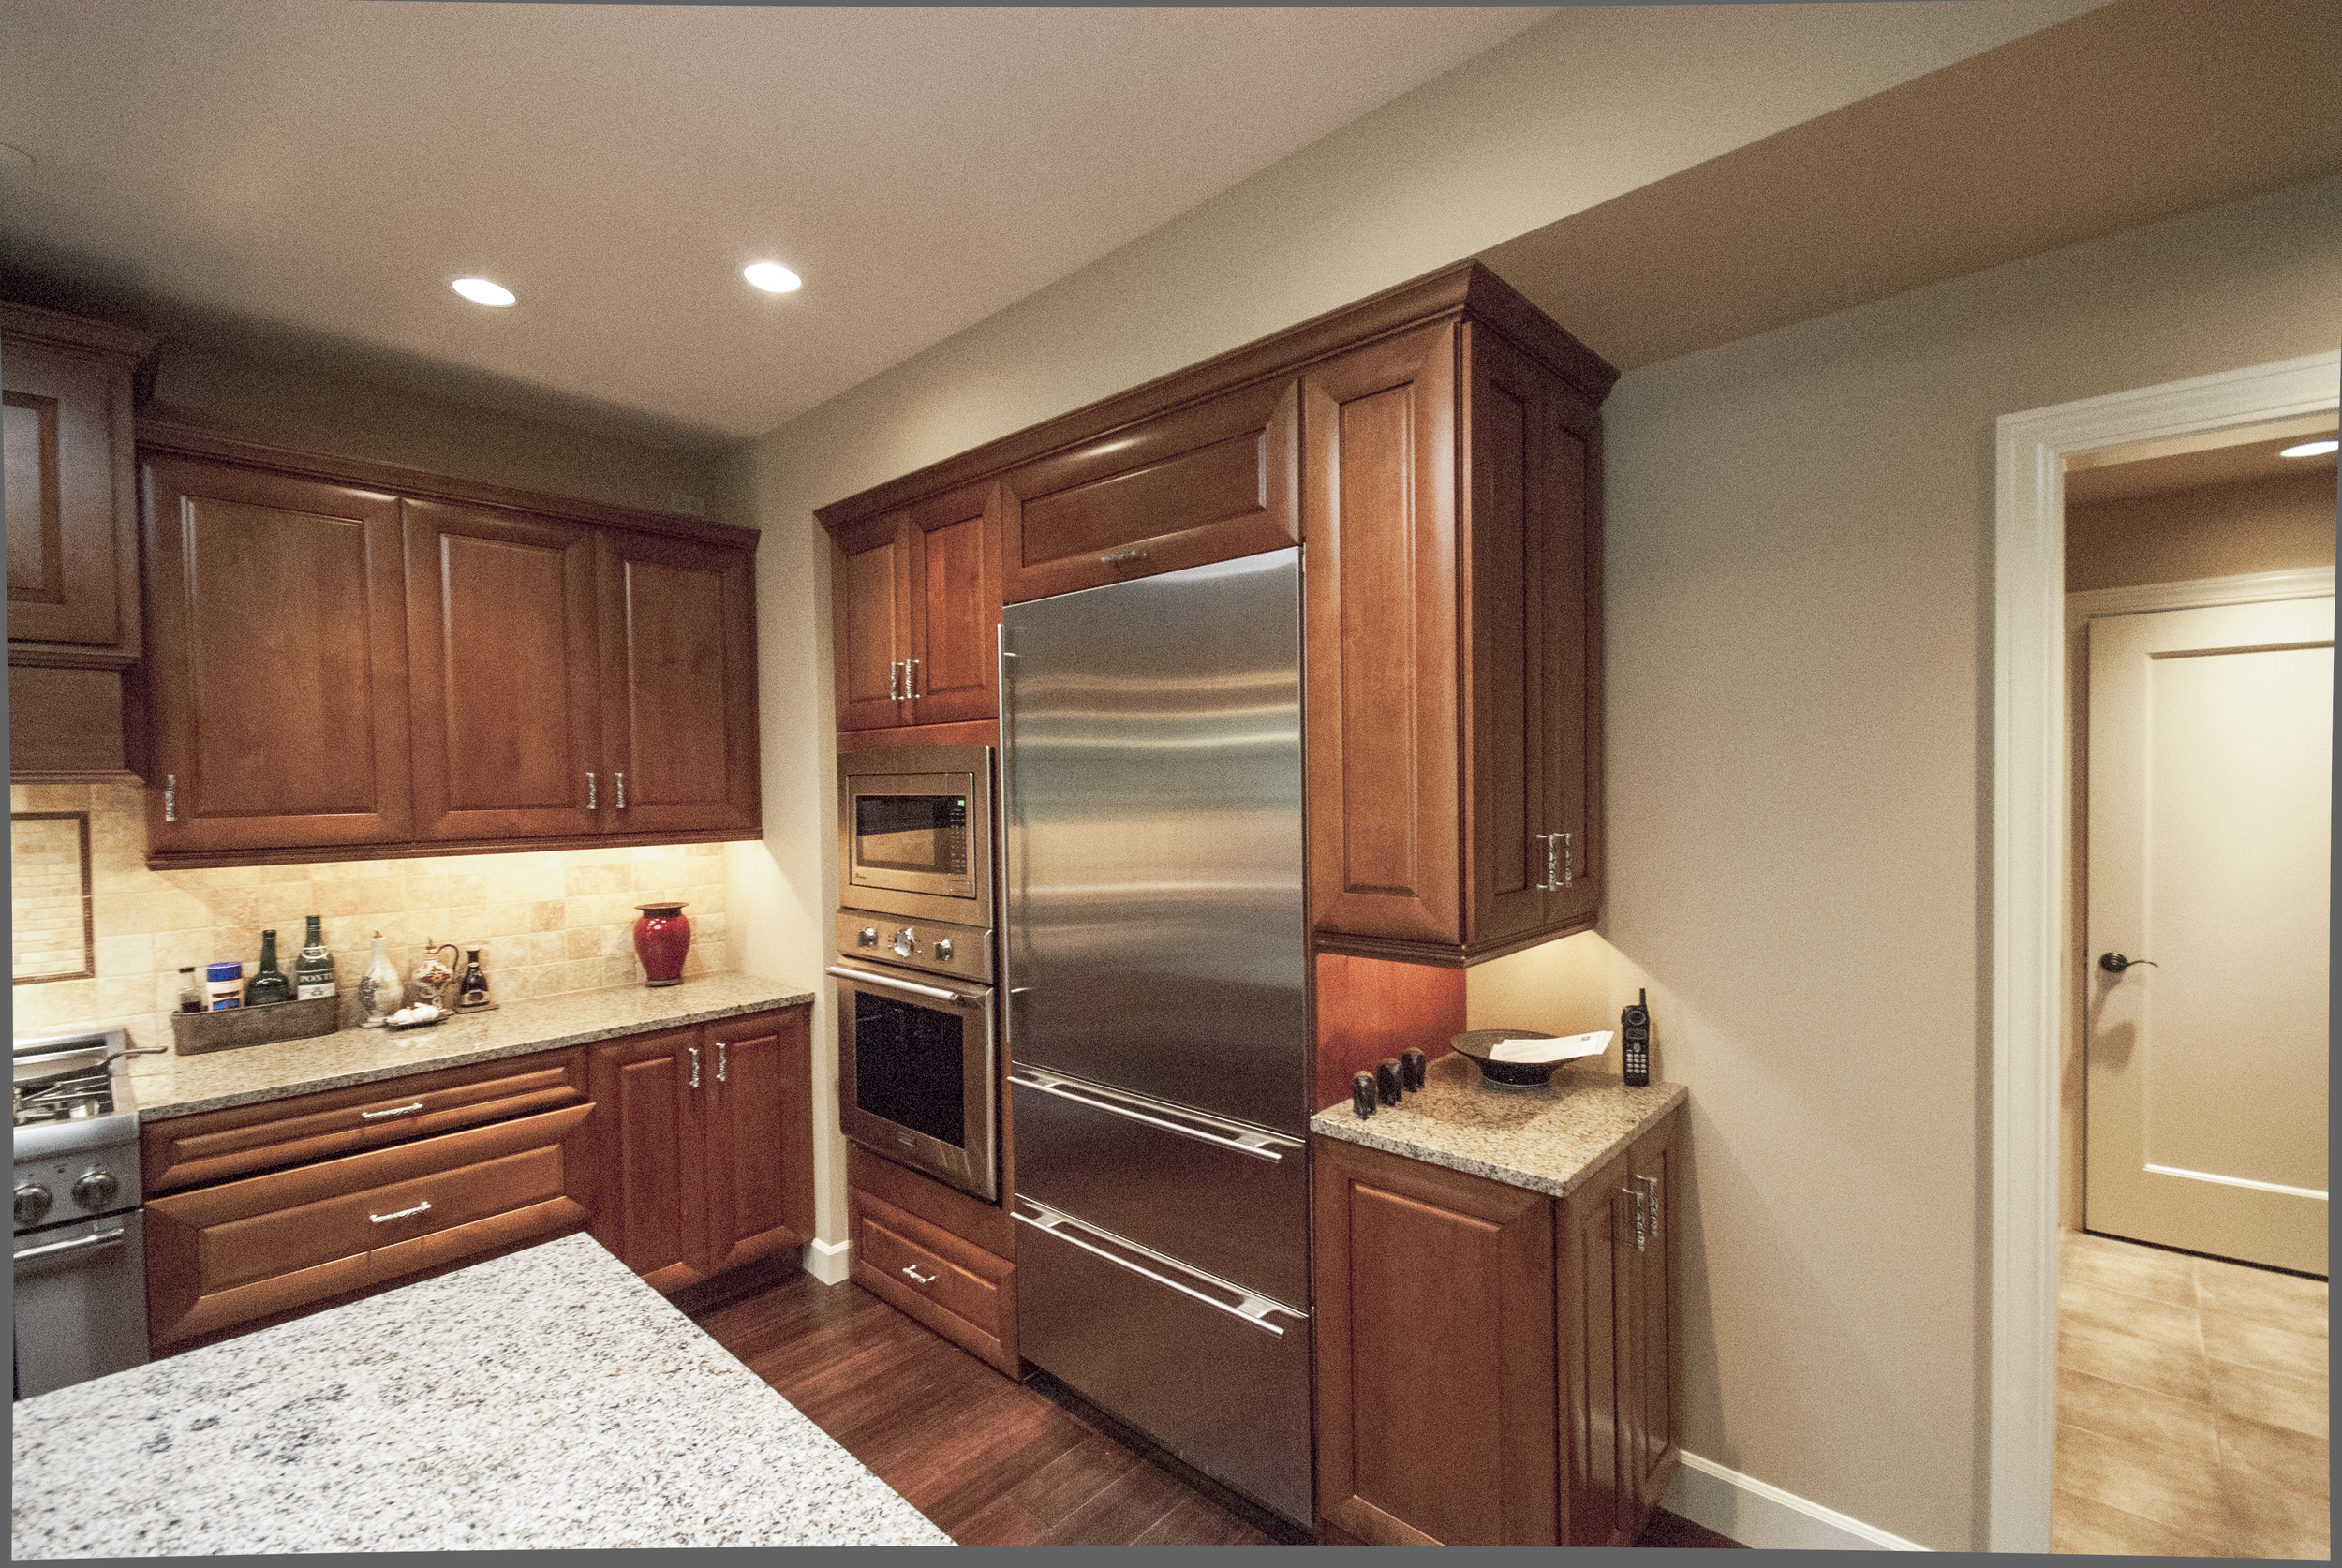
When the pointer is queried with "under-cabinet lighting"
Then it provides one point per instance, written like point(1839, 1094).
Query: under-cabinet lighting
point(772, 277)
point(480, 292)
point(2308, 448)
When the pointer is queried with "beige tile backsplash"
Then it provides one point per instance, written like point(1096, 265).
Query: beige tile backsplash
point(545, 921)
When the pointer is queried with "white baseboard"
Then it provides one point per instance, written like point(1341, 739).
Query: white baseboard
point(1757, 1514)
point(826, 1260)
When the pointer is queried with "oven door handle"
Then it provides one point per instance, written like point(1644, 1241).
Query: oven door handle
point(888, 982)
point(78, 1244)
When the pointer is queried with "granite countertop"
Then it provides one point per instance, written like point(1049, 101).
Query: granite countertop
point(546, 1399)
point(177, 1086)
point(1548, 1138)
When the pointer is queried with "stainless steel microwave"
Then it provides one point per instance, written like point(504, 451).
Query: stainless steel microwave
point(914, 833)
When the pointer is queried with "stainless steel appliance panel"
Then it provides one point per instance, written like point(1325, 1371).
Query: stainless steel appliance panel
point(918, 1074)
point(80, 1301)
point(914, 832)
point(1231, 1200)
point(1218, 1376)
point(1151, 781)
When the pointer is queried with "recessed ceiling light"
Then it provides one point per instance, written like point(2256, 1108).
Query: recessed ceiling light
point(480, 290)
point(2308, 448)
point(772, 277)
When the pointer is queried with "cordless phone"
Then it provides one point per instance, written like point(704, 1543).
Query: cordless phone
point(1635, 1034)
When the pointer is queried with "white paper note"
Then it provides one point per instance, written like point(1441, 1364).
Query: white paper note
point(1552, 1050)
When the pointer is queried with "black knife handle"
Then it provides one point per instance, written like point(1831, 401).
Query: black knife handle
point(1363, 1094)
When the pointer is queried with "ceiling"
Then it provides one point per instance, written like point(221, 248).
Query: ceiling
point(2237, 456)
point(303, 170)
point(305, 176)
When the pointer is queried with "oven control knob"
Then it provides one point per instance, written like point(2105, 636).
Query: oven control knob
point(95, 1188)
point(866, 937)
point(944, 951)
point(32, 1202)
point(905, 943)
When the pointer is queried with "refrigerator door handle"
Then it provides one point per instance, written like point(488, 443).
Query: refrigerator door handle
point(1260, 1146)
point(1250, 1305)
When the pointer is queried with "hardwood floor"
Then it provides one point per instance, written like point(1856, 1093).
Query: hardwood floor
point(992, 1462)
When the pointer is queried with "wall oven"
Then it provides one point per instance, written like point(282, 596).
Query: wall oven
point(918, 1056)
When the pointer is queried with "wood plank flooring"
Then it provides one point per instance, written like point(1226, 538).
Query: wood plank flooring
point(992, 1462)
point(2191, 1406)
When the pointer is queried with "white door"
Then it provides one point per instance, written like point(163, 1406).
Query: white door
point(2210, 777)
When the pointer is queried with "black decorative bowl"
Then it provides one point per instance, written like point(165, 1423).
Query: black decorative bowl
point(1478, 1044)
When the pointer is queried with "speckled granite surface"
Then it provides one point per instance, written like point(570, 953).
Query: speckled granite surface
point(1548, 1139)
point(547, 1398)
point(177, 1086)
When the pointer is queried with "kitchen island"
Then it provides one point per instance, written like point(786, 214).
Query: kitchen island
point(545, 1398)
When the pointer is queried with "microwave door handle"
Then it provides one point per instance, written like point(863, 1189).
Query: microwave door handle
point(863, 977)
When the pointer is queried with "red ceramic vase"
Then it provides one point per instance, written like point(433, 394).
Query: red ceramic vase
point(661, 938)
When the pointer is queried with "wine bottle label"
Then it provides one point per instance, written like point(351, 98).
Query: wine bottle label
point(312, 990)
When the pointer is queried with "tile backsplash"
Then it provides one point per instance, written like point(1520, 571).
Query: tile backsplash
point(545, 921)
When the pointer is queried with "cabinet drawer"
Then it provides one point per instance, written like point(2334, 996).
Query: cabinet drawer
point(956, 1288)
point(225, 1254)
point(215, 1146)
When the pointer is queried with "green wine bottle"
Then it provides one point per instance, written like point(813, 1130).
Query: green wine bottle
point(269, 985)
point(313, 971)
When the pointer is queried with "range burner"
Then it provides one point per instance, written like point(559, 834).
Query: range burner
point(74, 1095)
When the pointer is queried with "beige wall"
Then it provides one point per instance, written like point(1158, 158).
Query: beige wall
point(546, 920)
point(2224, 531)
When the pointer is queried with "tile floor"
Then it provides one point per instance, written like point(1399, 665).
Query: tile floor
point(2191, 1406)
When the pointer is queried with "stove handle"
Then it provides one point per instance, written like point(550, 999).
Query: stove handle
point(78, 1244)
point(863, 977)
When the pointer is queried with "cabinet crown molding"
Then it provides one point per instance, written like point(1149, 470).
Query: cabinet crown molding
point(58, 329)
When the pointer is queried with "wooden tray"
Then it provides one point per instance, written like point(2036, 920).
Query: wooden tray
point(193, 1033)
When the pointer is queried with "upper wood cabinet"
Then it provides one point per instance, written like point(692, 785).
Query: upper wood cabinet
point(339, 667)
point(915, 601)
point(72, 529)
point(1453, 557)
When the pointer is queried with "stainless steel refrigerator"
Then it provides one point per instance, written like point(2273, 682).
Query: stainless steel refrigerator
point(1158, 1027)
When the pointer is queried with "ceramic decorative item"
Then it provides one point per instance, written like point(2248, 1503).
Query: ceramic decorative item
point(471, 992)
point(380, 992)
point(435, 976)
point(662, 937)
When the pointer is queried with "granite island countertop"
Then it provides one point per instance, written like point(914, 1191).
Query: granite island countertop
point(175, 1086)
point(1549, 1138)
point(545, 1398)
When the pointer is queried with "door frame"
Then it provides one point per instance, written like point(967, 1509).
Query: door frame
point(2028, 859)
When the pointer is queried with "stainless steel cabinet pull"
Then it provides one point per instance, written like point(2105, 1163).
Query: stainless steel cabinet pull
point(622, 778)
point(695, 1064)
point(394, 1111)
point(1120, 555)
point(78, 1244)
point(171, 797)
point(895, 679)
point(1561, 861)
point(922, 1279)
point(719, 1061)
point(402, 1214)
point(593, 796)
point(1250, 1307)
point(889, 982)
point(1653, 1182)
point(1569, 867)
point(1642, 1219)
point(1242, 1140)
point(911, 678)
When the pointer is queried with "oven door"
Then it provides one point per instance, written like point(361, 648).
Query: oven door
point(80, 1301)
point(918, 1074)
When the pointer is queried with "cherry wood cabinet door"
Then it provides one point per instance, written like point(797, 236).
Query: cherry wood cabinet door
point(1210, 481)
point(1379, 485)
point(1597, 1487)
point(678, 628)
point(505, 673)
point(870, 620)
point(760, 1153)
point(73, 570)
point(952, 545)
point(1646, 1318)
point(1436, 1376)
point(277, 661)
point(651, 1094)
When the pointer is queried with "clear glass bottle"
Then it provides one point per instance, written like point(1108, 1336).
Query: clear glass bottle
point(269, 987)
point(190, 990)
point(380, 992)
point(313, 971)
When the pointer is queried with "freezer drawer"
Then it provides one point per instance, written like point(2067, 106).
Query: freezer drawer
point(1218, 1375)
point(1231, 1200)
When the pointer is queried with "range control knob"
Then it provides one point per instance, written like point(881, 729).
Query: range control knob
point(944, 951)
point(905, 943)
point(95, 1188)
point(866, 937)
point(32, 1202)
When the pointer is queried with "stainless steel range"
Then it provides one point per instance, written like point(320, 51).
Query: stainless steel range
point(80, 1261)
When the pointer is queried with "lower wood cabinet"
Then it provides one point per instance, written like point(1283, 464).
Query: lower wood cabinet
point(935, 1253)
point(704, 1146)
point(1494, 1367)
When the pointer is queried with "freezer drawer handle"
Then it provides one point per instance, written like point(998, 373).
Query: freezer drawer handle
point(864, 977)
point(78, 1244)
point(1254, 1144)
point(1252, 1309)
